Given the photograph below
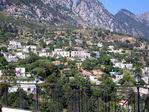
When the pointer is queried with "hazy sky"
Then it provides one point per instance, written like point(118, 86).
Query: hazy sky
point(135, 6)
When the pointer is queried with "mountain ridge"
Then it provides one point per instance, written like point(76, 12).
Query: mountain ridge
point(80, 13)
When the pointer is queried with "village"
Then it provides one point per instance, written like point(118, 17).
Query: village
point(17, 51)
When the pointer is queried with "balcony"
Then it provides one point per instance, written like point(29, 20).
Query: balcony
point(78, 98)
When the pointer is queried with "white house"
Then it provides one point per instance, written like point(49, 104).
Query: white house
point(11, 58)
point(80, 54)
point(20, 72)
point(71, 54)
point(93, 79)
point(111, 47)
point(14, 45)
point(1, 73)
point(48, 42)
point(143, 91)
point(21, 55)
point(100, 44)
point(27, 86)
point(29, 48)
point(119, 65)
point(119, 51)
point(146, 79)
point(60, 53)
point(78, 41)
point(123, 65)
point(44, 52)
point(25, 50)
point(114, 60)
point(145, 71)
point(116, 77)
point(128, 66)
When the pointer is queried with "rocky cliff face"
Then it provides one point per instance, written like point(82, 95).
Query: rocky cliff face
point(86, 13)
point(132, 24)
point(145, 18)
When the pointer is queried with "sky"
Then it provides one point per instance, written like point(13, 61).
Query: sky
point(135, 6)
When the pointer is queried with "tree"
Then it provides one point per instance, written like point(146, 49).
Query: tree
point(3, 61)
point(32, 58)
point(43, 44)
point(20, 98)
point(39, 71)
point(127, 78)
point(89, 64)
point(4, 92)
point(104, 59)
point(107, 91)
point(3, 49)
point(44, 68)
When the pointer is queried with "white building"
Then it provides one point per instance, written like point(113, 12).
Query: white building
point(93, 79)
point(114, 60)
point(146, 79)
point(21, 55)
point(119, 51)
point(11, 58)
point(143, 91)
point(1, 73)
point(145, 71)
point(27, 49)
point(78, 41)
point(20, 72)
point(14, 45)
point(27, 86)
point(111, 47)
point(60, 53)
point(71, 54)
point(100, 44)
point(44, 52)
point(116, 77)
point(80, 54)
point(128, 66)
point(123, 65)
point(48, 42)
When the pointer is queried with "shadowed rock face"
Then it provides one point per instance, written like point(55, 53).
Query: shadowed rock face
point(86, 13)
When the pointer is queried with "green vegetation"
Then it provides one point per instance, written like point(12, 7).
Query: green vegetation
point(3, 62)
point(64, 73)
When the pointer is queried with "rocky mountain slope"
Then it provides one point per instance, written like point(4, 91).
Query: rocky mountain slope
point(133, 24)
point(85, 13)
point(144, 17)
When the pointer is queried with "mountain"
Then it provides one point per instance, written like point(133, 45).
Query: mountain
point(144, 17)
point(80, 13)
point(132, 23)
point(74, 12)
